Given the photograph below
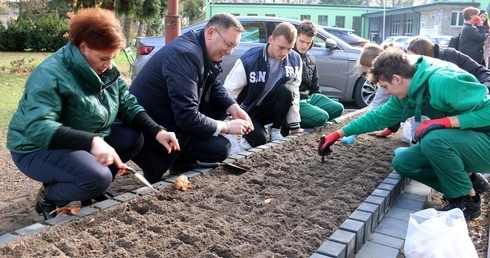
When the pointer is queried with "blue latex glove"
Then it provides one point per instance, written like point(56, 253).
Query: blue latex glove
point(349, 139)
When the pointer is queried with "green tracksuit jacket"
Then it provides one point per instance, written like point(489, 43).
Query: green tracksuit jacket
point(443, 157)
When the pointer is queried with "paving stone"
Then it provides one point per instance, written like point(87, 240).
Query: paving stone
point(396, 182)
point(272, 144)
point(190, 174)
point(409, 204)
point(59, 219)
point(374, 210)
point(346, 238)
point(332, 249)
point(317, 255)
point(386, 240)
point(202, 170)
point(393, 227)
point(380, 202)
point(34, 228)
point(6, 238)
point(86, 211)
point(161, 184)
point(417, 189)
point(415, 197)
point(145, 190)
point(399, 213)
point(367, 219)
point(255, 150)
point(106, 204)
point(125, 197)
point(392, 189)
point(264, 147)
point(357, 228)
point(383, 194)
point(374, 250)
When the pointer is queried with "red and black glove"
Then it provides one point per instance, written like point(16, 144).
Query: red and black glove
point(325, 143)
point(427, 125)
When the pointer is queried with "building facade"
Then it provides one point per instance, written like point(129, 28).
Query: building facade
point(436, 18)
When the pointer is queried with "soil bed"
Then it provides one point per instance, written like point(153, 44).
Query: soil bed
point(286, 205)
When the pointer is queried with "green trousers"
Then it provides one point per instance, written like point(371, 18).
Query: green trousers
point(443, 159)
point(318, 109)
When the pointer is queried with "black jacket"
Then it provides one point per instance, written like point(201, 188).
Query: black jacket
point(464, 62)
point(309, 79)
point(471, 41)
point(178, 83)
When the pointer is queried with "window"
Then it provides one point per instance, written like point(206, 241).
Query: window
point(270, 15)
point(395, 29)
point(457, 19)
point(255, 32)
point(252, 14)
point(357, 24)
point(304, 17)
point(340, 21)
point(408, 27)
point(323, 20)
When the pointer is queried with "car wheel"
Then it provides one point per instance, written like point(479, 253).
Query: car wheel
point(364, 92)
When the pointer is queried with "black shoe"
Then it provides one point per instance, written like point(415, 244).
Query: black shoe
point(177, 169)
point(470, 208)
point(98, 198)
point(44, 205)
point(480, 183)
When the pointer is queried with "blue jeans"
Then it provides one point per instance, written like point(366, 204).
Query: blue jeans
point(74, 175)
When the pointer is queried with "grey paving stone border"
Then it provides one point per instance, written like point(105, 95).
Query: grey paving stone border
point(346, 241)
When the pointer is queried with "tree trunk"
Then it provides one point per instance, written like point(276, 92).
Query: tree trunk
point(127, 30)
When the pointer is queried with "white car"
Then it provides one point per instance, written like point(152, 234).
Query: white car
point(400, 41)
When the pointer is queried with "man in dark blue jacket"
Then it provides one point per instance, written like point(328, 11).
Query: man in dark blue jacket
point(180, 89)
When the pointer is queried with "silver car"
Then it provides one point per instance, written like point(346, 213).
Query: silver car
point(340, 77)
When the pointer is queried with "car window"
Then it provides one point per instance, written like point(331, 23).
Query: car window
point(255, 32)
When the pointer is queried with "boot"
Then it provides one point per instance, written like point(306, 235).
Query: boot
point(44, 205)
point(480, 183)
point(471, 209)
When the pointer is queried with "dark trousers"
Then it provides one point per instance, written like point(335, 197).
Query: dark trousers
point(273, 109)
point(154, 159)
point(73, 175)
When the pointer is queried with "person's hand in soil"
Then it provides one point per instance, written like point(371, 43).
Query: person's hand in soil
point(327, 141)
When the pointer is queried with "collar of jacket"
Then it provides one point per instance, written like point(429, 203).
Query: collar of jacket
point(79, 65)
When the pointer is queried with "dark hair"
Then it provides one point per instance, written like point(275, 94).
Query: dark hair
point(287, 30)
point(224, 21)
point(98, 27)
point(421, 46)
point(307, 28)
point(390, 62)
point(485, 22)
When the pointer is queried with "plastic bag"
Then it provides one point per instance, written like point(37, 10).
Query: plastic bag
point(406, 131)
point(436, 234)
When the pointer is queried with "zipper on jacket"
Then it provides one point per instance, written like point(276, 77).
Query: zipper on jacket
point(100, 97)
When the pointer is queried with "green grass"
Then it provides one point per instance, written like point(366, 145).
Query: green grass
point(15, 68)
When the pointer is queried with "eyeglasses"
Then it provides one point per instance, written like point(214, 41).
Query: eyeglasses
point(228, 45)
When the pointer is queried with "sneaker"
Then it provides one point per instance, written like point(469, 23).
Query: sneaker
point(244, 144)
point(275, 134)
point(467, 205)
point(480, 183)
point(235, 144)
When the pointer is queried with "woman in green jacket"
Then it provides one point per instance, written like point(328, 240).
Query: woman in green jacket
point(454, 141)
point(77, 123)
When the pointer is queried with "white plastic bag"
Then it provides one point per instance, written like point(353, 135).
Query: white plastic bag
point(436, 234)
point(406, 131)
